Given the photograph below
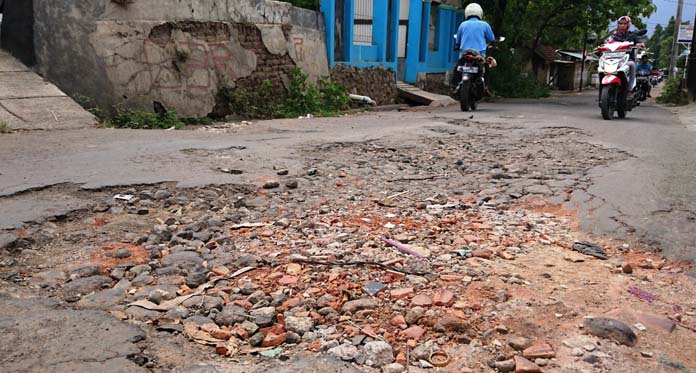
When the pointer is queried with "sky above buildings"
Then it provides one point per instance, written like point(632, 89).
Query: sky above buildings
point(667, 9)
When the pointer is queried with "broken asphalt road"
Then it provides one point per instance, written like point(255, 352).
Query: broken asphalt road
point(652, 194)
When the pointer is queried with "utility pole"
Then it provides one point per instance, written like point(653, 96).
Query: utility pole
point(691, 65)
point(584, 48)
point(675, 45)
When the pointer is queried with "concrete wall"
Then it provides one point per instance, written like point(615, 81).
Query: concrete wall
point(179, 52)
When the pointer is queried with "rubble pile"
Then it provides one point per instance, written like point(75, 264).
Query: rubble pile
point(382, 255)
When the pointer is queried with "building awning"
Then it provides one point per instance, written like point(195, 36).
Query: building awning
point(547, 53)
point(576, 55)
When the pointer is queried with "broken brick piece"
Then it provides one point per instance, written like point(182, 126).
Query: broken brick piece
point(483, 253)
point(421, 300)
point(398, 320)
point(415, 332)
point(273, 340)
point(539, 351)
point(401, 293)
point(523, 365)
point(288, 280)
point(444, 298)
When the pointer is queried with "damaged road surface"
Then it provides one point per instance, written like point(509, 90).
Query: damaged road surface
point(375, 242)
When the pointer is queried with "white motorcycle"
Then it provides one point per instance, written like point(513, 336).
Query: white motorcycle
point(614, 74)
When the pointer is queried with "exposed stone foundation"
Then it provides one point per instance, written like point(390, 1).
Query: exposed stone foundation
point(377, 83)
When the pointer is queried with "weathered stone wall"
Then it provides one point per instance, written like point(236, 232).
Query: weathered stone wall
point(179, 52)
point(377, 83)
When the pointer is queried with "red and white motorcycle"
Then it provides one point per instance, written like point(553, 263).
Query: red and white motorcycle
point(614, 74)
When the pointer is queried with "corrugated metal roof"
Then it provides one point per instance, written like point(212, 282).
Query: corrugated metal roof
point(549, 54)
point(577, 55)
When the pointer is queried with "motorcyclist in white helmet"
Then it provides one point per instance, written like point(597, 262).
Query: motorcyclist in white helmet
point(474, 33)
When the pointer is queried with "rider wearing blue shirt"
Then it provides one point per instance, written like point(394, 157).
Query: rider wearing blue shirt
point(644, 65)
point(474, 33)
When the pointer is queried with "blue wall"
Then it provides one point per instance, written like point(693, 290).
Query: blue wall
point(384, 48)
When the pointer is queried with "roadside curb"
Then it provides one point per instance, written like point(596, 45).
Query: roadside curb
point(686, 114)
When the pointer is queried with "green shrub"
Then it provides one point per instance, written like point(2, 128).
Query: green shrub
point(510, 80)
point(4, 127)
point(333, 94)
point(139, 119)
point(326, 98)
point(307, 4)
point(191, 121)
point(90, 105)
point(303, 98)
point(135, 118)
point(673, 94)
point(259, 104)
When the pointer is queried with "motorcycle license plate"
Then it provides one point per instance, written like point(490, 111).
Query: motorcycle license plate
point(468, 69)
point(614, 54)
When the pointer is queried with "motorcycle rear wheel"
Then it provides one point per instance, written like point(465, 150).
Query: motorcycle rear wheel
point(465, 96)
point(607, 102)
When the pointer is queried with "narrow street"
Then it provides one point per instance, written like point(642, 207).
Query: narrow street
point(257, 246)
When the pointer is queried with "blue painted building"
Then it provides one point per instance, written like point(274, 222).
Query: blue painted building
point(411, 37)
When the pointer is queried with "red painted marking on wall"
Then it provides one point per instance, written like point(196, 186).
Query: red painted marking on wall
point(299, 48)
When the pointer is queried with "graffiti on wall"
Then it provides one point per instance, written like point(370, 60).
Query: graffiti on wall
point(299, 49)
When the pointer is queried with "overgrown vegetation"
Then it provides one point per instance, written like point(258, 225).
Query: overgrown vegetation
point(123, 117)
point(182, 55)
point(512, 80)
point(5, 128)
point(307, 4)
point(326, 98)
point(660, 46)
point(559, 23)
point(139, 119)
point(249, 103)
point(673, 94)
point(91, 106)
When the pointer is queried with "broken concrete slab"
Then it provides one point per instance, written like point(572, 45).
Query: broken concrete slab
point(23, 84)
point(10, 64)
point(29, 102)
point(104, 342)
point(420, 96)
point(45, 113)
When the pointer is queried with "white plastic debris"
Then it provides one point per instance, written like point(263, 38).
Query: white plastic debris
point(363, 99)
point(124, 197)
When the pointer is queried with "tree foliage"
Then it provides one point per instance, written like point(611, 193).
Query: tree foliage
point(561, 23)
point(660, 45)
point(307, 4)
